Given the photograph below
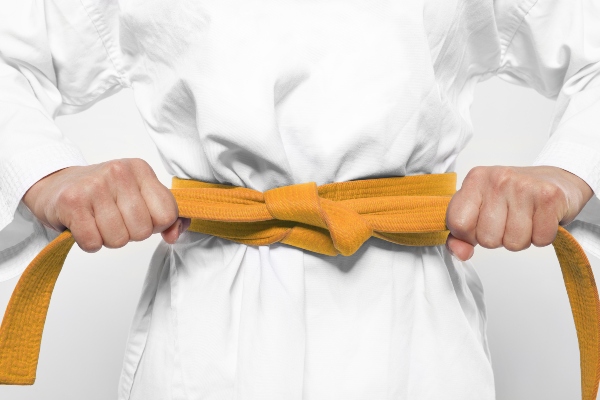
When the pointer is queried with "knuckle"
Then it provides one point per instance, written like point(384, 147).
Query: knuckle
point(90, 247)
point(90, 244)
point(549, 193)
point(513, 245)
point(142, 233)
point(117, 169)
point(502, 177)
point(166, 217)
point(456, 220)
point(141, 165)
point(458, 226)
point(71, 197)
point(139, 162)
point(522, 185)
point(93, 185)
point(544, 237)
point(117, 242)
point(476, 173)
point(488, 241)
point(540, 241)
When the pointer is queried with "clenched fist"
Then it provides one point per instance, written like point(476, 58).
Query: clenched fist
point(107, 204)
point(512, 207)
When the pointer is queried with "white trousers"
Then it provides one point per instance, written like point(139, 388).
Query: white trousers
point(221, 320)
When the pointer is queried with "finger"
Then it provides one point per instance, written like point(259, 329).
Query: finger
point(84, 230)
point(519, 222)
point(162, 206)
point(545, 226)
point(134, 210)
point(462, 214)
point(109, 221)
point(462, 250)
point(159, 200)
point(172, 233)
point(491, 221)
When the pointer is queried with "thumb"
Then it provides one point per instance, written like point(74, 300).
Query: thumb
point(462, 250)
point(172, 233)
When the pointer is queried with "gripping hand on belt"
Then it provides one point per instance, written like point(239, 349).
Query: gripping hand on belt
point(512, 207)
point(107, 204)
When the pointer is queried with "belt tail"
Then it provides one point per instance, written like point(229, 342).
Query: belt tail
point(23, 323)
point(585, 305)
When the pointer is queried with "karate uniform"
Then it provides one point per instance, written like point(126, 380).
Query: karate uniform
point(263, 94)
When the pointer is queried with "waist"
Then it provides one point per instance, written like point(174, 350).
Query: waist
point(332, 219)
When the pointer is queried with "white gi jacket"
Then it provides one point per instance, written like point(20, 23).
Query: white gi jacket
point(260, 94)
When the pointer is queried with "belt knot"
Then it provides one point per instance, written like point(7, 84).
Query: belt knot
point(301, 203)
point(332, 219)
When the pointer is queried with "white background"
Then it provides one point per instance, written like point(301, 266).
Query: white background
point(530, 327)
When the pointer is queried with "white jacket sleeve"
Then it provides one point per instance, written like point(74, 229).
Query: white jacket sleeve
point(553, 46)
point(56, 57)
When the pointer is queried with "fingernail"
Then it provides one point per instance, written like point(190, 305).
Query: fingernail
point(450, 251)
point(180, 227)
point(471, 255)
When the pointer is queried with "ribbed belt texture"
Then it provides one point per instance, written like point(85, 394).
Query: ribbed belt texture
point(331, 219)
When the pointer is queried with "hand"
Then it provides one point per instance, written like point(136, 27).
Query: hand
point(512, 207)
point(108, 204)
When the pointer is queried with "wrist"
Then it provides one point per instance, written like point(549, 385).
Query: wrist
point(577, 191)
point(583, 189)
point(35, 200)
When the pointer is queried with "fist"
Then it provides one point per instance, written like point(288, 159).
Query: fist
point(107, 204)
point(512, 207)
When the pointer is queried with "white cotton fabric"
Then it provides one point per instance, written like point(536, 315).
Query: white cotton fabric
point(265, 93)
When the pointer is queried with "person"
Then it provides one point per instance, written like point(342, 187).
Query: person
point(264, 94)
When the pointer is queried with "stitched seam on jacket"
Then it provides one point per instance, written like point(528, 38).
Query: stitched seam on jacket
point(100, 26)
point(83, 100)
point(512, 36)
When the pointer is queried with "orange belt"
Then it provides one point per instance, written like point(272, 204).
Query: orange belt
point(335, 218)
